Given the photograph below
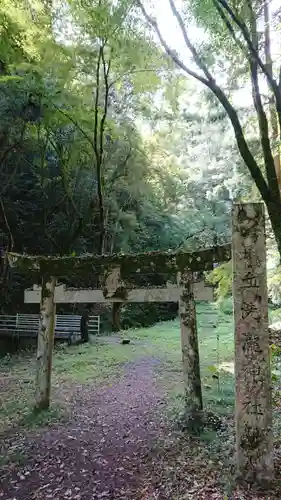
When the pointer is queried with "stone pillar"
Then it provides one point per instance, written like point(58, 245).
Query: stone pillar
point(45, 345)
point(253, 410)
point(190, 351)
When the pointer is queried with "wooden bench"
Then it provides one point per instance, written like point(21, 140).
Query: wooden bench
point(68, 326)
point(27, 325)
point(93, 325)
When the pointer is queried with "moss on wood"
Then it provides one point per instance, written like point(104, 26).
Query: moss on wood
point(153, 262)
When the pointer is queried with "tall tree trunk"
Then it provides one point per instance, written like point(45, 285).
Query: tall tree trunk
point(101, 208)
point(272, 107)
point(274, 212)
point(4, 264)
point(45, 345)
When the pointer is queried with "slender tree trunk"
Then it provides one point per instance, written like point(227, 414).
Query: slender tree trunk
point(101, 208)
point(4, 264)
point(274, 212)
point(99, 132)
point(272, 107)
point(45, 345)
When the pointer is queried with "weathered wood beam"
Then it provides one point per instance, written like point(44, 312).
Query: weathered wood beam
point(190, 353)
point(253, 412)
point(45, 345)
point(169, 294)
point(153, 262)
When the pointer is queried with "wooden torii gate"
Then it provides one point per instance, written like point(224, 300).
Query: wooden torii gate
point(252, 361)
point(166, 294)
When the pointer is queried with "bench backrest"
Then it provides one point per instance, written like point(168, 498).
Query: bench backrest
point(28, 324)
point(8, 322)
point(67, 325)
point(70, 322)
point(94, 325)
point(64, 324)
point(11, 323)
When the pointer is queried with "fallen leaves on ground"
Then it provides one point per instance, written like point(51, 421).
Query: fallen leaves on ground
point(119, 444)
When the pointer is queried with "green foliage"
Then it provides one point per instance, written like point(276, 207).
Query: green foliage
point(221, 276)
point(226, 305)
point(142, 315)
point(48, 164)
point(195, 142)
point(274, 285)
point(160, 187)
point(227, 55)
point(274, 313)
point(213, 369)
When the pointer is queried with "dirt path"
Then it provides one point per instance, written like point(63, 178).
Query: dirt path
point(117, 444)
point(102, 452)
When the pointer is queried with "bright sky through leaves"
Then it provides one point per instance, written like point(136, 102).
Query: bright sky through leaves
point(170, 30)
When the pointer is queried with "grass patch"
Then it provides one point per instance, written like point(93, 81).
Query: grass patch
point(13, 456)
point(216, 345)
point(226, 305)
point(88, 363)
point(93, 362)
point(16, 409)
point(45, 418)
point(101, 363)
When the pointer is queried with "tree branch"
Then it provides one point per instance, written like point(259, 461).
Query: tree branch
point(117, 174)
point(14, 145)
point(5, 220)
point(57, 247)
point(262, 118)
point(106, 69)
point(72, 120)
point(65, 178)
point(272, 109)
point(210, 82)
point(230, 28)
point(169, 51)
point(254, 53)
point(96, 109)
point(100, 131)
point(188, 43)
point(193, 235)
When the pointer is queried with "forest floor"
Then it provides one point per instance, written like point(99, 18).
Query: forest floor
point(114, 429)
